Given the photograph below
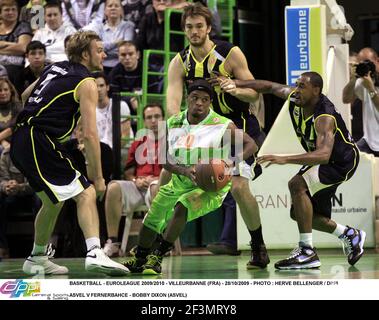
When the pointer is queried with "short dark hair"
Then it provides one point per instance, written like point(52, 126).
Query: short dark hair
point(127, 43)
point(34, 45)
point(315, 79)
point(101, 75)
point(196, 9)
point(53, 4)
point(153, 105)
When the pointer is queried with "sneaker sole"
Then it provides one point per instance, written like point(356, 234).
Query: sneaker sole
point(363, 235)
point(107, 270)
point(312, 265)
point(253, 267)
point(150, 272)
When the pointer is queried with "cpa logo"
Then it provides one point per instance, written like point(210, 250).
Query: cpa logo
point(19, 288)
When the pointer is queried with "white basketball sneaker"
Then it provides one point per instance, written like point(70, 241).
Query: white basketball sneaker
point(98, 261)
point(42, 265)
point(112, 249)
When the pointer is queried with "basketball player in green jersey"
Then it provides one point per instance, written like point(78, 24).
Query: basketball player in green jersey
point(193, 135)
point(202, 59)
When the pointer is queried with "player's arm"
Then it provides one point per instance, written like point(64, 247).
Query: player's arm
point(249, 147)
point(88, 96)
point(262, 86)
point(175, 86)
point(237, 66)
point(172, 166)
point(325, 128)
point(28, 91)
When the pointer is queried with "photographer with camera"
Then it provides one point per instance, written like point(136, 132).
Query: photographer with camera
point(364, 85)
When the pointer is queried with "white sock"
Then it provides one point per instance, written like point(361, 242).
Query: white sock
point(39, 250)
point(340, 229)
point(92, 242)
point(306, 239)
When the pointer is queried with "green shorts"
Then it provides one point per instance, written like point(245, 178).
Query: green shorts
point(181, 189)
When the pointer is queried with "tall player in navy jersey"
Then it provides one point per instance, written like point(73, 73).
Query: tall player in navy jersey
point(53, 105)
point(331, 159)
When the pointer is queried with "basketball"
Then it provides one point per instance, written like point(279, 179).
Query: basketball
point(212, 176)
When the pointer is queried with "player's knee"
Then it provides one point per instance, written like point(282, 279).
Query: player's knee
point(296, 185)
point(89, 194)
point(113, 190)
point(237, 188)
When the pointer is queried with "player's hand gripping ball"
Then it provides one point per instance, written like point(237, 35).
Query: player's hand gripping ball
point(213, 176)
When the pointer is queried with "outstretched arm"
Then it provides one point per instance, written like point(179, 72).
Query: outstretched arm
point(325, 128)
point(261, 86)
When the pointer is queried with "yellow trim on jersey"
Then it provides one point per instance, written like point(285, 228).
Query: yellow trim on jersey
point(343, 137)
point(202, 61)
point(182, 62)
point(199, 70)
point(335, 121)
point(77, 86)
point(37, 166)
point(52, 101)
point(354, 166)
point(61, 138)
point(222, 65)
point(60, 153)
point(244, 122)
point(222, 95)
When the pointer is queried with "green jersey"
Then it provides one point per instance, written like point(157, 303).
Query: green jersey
point(190, 144)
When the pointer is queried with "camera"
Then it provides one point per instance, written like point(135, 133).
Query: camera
point(362, 69)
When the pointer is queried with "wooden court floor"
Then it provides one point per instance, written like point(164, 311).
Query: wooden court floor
point(207, 266)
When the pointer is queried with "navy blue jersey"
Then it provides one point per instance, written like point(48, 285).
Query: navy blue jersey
point(344, 148)
point(52, 106)
point(223, 103)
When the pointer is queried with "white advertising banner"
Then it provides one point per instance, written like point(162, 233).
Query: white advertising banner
point(353, 205)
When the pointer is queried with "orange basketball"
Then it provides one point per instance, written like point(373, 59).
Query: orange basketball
point(212, 176)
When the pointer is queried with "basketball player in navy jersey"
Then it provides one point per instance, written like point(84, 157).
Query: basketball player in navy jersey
point(204, 58)
point(53, 104)
point(331, 159)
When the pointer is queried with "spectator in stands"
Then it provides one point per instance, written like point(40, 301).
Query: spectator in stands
point(15, 195)
point(151, 36)
point(54, 33)
point(14, 37)
point(134, 10)
point(36, 55)
point(80, 13)
point(126, 76)
point(104, 114)
point(26, 13)
point(366, 88)
point(3, 72)
point(141, 177)
point(112, 31)
point(10, 107)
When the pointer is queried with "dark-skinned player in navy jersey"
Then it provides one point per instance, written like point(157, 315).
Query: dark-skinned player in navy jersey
point(331, 158)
